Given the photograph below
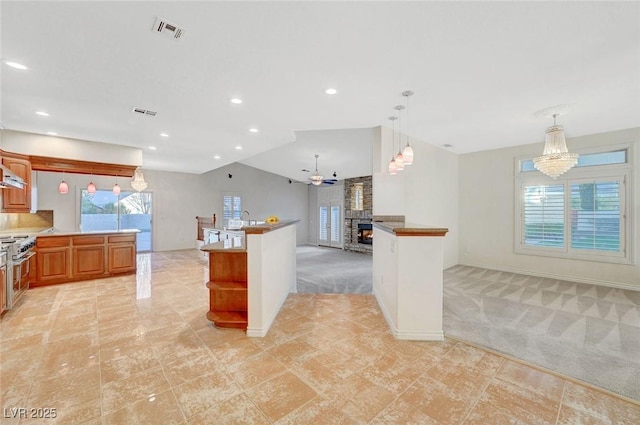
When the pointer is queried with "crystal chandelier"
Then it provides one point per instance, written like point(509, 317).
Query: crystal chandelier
point(138, 182)
point(556, 158)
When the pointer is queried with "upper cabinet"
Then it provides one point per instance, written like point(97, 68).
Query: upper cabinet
point(17, 200)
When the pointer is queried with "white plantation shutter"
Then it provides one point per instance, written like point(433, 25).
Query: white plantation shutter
point(543, 215)
point(231, 207)
point(596, 215)
point(335, 223)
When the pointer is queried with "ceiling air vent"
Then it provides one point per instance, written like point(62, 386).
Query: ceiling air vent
point(145, 112)
point(168, 29)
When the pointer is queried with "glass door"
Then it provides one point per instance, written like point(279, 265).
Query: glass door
point(103, 210)
point(329, 230)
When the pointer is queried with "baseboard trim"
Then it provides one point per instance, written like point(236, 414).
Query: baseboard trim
point(618, 285)
point(407, 335)
point(262, 331)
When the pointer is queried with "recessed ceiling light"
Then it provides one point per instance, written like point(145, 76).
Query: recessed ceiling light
point(164, 135)
point(153, 148)
point(447, 145)
point(43, 113)
point(52, 133)
point(236, 100)
point(216, 156)
point(16, 65)
point(238, 148)
point(331, 91)
point(253, 130)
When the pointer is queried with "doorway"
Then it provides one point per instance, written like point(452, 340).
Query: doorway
point(330, 226)
point(103, 210)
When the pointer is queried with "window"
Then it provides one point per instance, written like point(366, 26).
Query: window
point(581, 215)
point(103, 210)
point(231, 207)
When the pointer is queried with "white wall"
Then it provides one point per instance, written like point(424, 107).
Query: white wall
point(263, 194)
point(426, 192)
point(487, 192)
point(179, 197)
point(61, 147)
point(176, 197)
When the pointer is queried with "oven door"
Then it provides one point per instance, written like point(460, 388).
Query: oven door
point(21, 269)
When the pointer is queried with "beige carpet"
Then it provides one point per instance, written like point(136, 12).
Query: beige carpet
point(588, 332)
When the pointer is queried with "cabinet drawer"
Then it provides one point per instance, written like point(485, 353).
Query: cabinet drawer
point(52, 241)
point(122, 238)
point(88, 240)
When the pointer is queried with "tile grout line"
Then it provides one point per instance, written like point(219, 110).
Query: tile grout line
point(564, 389)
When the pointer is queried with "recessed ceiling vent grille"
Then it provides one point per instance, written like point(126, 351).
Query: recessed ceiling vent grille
point(145, 112)
point(167, 29)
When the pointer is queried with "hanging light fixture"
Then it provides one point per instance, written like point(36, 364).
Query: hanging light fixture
point(407, 152)
point(138, 182)
point(63, 187)
point(399, 159)
point(116, 187)
point(556, 158)
point(393, 168)
point(316, 178)
point(91, 187)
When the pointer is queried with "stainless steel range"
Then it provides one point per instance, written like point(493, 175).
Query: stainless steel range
point(20, 249)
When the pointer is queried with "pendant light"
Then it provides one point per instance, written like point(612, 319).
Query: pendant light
point(556, 158)
point(399, 158)
point(393, 168)
point(63, 187)
point(116, 187)
point(138, 182)
point(407, 152)
point(91, 187)
point(316, 178)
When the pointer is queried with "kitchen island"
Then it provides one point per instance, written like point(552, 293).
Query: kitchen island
point(63, 257)
point(251, 277)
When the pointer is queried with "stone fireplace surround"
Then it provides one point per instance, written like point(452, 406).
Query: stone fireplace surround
point(354, 217)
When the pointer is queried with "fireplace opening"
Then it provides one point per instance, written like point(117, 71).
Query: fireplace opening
point(365, 233)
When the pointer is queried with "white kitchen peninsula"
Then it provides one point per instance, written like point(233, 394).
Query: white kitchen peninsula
point(407, 278)
point(251, 277)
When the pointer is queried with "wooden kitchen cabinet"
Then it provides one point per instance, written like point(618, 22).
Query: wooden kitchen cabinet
point(53, 259)
point(88, 256)
point(122, 253)
point(17, 200)
point(61, 259)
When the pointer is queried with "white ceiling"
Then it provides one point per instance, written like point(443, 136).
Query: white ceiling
point(479, 70)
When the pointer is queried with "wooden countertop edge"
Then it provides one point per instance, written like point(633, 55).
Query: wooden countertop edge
point(264, 228)
point(399, 229)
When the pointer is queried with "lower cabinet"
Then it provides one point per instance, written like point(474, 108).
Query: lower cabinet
point(61, 259)
point(122, 253)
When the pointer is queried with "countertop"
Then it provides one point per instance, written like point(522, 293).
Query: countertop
point(25, 231)
point(55, 232)
point(264, 228)
point(401, 228)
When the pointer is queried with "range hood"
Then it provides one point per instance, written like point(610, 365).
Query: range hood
point(9, 179)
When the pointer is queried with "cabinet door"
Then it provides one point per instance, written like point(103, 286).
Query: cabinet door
point(53, 264)
point(17, 200)
point(122, 257)
point(88, 260)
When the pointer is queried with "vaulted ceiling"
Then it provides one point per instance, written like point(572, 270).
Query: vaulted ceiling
point(479, 70)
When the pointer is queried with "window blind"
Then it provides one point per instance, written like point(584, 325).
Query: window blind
point(543, 216)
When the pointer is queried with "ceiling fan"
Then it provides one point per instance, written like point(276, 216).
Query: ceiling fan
point(316, 179)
